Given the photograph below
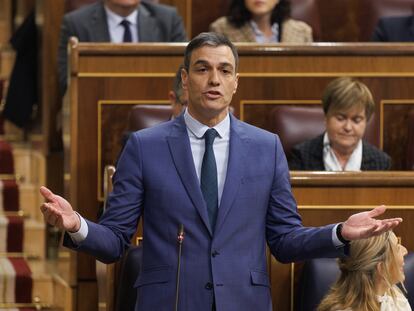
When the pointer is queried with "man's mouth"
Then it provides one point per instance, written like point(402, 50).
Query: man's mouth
point(212, 94)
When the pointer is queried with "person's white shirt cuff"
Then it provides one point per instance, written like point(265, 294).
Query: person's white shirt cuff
point(335, 240)
point(80, 235)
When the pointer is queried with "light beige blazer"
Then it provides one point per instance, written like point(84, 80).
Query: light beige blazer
point(293, 31)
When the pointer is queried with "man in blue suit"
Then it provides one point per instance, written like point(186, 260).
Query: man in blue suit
point(226, 181)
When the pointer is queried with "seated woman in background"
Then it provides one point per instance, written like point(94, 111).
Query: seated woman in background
point(348, 106)
point(369, 276)
point(261, 21)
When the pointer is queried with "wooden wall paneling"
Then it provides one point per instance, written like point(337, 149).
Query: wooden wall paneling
point(48, 19)
point(5, 21)
point(22, 10)
point(105, 79)
point(184, 8)
point(206, 12)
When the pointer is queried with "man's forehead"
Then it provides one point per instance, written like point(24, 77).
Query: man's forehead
point(213, 54)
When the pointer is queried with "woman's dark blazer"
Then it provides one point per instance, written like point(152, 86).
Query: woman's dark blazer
point(308, 156)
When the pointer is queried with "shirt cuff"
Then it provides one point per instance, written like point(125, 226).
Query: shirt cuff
point(80, 235)
point(335, 240)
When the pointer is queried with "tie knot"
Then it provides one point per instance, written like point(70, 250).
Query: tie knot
point(209, 136)
point(124, 23)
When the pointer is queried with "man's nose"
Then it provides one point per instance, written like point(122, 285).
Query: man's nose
point(214, 77)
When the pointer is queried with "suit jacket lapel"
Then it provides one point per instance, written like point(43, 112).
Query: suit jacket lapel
point(237, 159)
point(180, 149)
point(148, 30)
point(99, 25)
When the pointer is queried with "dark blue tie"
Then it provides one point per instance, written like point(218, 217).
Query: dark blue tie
point(209, 177)
point(127, 31)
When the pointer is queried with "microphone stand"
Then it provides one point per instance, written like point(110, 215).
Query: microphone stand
point(180, 239)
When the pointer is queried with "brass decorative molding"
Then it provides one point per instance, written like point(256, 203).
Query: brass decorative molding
point(19, 213)
point(19, 255)
point(125, 75)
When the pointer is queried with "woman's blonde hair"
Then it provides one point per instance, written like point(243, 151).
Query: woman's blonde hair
point(356, 287)
point(344, 93)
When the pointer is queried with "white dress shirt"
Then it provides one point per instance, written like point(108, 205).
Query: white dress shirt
point(116, 30)
point(260, 36)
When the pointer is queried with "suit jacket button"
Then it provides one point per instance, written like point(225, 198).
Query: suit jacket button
point(209, 286)
point(215, 253)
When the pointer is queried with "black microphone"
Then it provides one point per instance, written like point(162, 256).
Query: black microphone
point(180, 239)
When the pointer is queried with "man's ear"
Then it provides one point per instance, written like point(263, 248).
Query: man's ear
point(184, 78)
point(172, 98)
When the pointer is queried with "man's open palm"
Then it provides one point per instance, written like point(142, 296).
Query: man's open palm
point(58, 212)
point(364, 225)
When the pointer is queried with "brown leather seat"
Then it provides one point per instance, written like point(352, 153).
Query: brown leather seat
point(143, 116)
point(295, 124)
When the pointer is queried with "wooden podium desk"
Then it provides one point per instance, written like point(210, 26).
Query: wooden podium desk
point(106, 80)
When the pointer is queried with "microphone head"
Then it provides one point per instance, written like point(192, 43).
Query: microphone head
point(180, 236)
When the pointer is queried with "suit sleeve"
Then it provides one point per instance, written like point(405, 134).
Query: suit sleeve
point(287, 238)
point(108, 239)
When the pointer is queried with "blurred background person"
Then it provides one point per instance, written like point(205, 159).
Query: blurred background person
point(348, 106)
point(394, 29)
point(178, 97)
point(369, 277)
point(118, 21)
point(262, 21)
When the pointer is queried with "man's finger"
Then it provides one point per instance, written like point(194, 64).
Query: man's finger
point(379, 210)
point(397, 219)
point(47, 194)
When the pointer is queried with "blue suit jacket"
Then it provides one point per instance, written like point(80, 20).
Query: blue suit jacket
point(394, 29)
point(156, 179)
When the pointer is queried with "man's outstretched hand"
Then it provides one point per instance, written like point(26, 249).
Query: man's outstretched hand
point(58, 212)
point(364, 225)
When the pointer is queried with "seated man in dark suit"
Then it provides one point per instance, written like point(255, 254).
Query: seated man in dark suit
point(348, 106)
point(178, 97)
point(394, 29)
point(118, 21)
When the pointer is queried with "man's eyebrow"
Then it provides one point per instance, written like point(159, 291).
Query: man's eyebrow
point(201, 62)
point(204, 62)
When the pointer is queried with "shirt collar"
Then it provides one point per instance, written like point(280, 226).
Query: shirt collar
point(198, 129)
point(115, 19)
point(260, 37)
